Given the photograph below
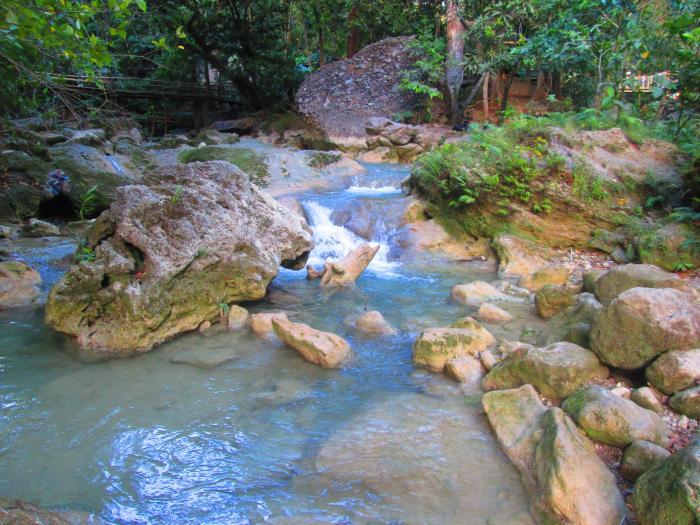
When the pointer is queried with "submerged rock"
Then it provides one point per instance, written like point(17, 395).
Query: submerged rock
point(167, 256)
point(674, 371)
point(19, 284)
point(642, 323)
point(564, 477)
point(556, 371)
point(321, 348)
point(668, 493)
point(436, 346)
point(613, 420)
point(622, 278)
point(261, 324)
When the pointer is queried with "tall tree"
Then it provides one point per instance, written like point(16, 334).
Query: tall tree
point(454, 67)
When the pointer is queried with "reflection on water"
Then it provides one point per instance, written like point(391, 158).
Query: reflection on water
point(227, 428)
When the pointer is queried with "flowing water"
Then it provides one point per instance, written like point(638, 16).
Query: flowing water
point(222, 427)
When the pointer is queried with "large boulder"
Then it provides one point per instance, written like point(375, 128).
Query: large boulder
point(642, 323)
point(674, 371)
point(518, 257)
point(19, 284)
point(622, 278)
point(436, 346)
point(668, 493)
point(564, 477)
point(167, 257)
point(321, 348)
point(613, 420)
point(687, 402)
point(639, 457)
point(556, 371)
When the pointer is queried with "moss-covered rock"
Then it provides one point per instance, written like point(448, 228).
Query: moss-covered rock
point(622, 278)
point(574, 323)
point(556, 371)
point(167, 257)
point(552, 299)
point(436, 346)
point(642, 323)
point(672, 247)
point(674, 371)
point(687, 402)
point(669, 494)
point(19, 284)
point(246, 159)
point(639, 457)
point(613, 420)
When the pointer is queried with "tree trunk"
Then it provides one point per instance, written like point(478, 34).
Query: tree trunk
point(472, 93)
point(540, 92)
point(504, 100)
point(353, 32)
point(454, 68)
point(485, 96)
point(556, 84)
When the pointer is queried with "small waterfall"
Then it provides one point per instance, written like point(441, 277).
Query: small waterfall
point(334, 242)
point(371, 188)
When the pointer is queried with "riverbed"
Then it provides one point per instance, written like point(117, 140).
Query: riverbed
point(229, 428)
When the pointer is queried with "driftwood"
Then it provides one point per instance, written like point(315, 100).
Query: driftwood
point(346, 271)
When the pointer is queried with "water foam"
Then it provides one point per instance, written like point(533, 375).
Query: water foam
point(369, 190)
point(334, 241)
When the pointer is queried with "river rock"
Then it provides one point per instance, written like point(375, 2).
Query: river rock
point(675, 370)
point(321, 348)
point(19, 284)
point(574, 323)
point(475, 326)
point(552, 299)
point(346, 271)
point(687, 402)
point(590, 278)
point(473, 294)
point(642, 323)
point(205, 358)
point(668, 493)
point(622, 278)
point(556, 371)
point(373, 323)
point(564, 477)
point(557, 275)
point(646, 398)
point(7, 232)
point(517, 257)
point(237, 318)
point(87, 137)
point(639, 457)
point(168, 255)
point(613, 420)
point(436, 346)
point(465, 369)
point(17, 512)
point(490, 313)
point(37, 228)
point(261, 324)
point(488, 359)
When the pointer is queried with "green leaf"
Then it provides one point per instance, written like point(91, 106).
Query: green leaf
point(142, 5)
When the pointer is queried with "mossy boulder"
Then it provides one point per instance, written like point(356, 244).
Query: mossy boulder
point(552, 299)
point(674, 371)
point(436, 346)
point(669, 494)
point(165, 258)
point(556, 371)
point(642, 323)
point(613, 420)
point(248, 160)
point(574, 323)
point(687, 402)
point(622, 278)
point(639, 457)
point(213, 137)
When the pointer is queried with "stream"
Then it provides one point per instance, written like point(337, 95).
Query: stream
point(227, 428)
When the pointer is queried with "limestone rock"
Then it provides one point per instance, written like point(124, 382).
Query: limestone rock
point(639, 457)
point(552, 299)
point(490, 313)
point(436, 346)
point(261, 324)
point(517, 257)
point(615, 421)
point(645, 397)
point(675, 370)
point(556, 275)
point(465, 369)
point(167, 255)
point(19, 284)
point(556, 371)
point(642, 323)
point(668, 493)
point(566, 481)
point(321, 348)
point(237, 318)
point(475, 326)
point(687, 402)
point(373, 323)
point(574, 323)
point(622, 278)
point(346, 271)
point(473, 294)
point(37, 228)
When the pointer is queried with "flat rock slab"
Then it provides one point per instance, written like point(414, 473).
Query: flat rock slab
point(321, 348)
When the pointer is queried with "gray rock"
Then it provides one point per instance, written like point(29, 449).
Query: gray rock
point(674, 371)
point(574, 323)
point(687, 402)
point(616, 281)
point(646, 398)
point(37, 228)
point(639, 457)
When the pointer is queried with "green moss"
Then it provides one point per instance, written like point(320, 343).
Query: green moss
point(321, 159)
point(246, 159)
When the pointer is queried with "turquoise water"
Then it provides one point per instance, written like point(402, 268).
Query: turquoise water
point(223, 427)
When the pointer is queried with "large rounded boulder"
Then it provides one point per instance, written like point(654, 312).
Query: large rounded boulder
point(628, 276)
point(642, 323)
point(166, 258)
